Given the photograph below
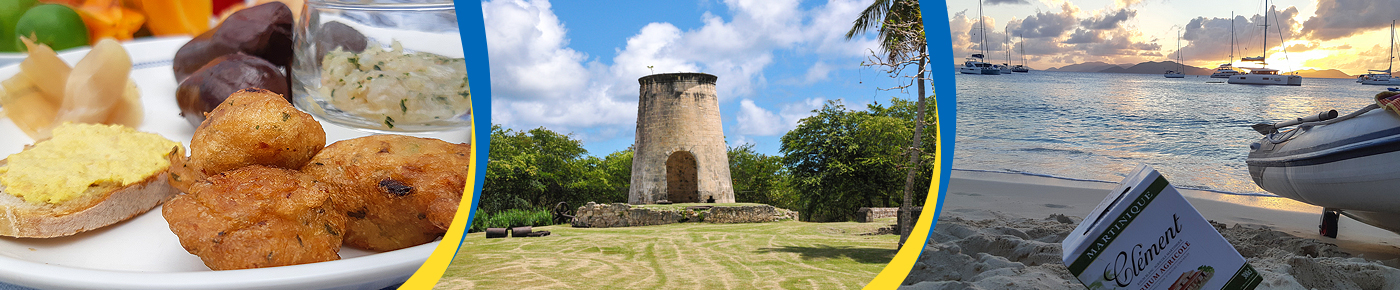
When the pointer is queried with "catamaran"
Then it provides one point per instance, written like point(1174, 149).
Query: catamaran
point(1383, 77)
point(1263, 75)
point(1227, 70)
point(977, 63)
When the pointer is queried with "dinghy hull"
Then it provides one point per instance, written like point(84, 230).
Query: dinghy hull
point(1351, 165)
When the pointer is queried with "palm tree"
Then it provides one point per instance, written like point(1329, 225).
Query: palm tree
point(901, 34)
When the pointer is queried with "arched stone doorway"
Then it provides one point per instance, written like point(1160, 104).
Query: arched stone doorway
point(681, 179)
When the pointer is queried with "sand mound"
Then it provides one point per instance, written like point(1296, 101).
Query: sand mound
point(973, 249)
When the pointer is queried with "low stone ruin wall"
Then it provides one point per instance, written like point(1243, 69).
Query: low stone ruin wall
point(870, 214)
point(594, 215)
point(748, 214)
point(621, 215)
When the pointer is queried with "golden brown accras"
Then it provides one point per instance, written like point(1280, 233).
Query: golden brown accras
point(255, 217)
point(252, 127)
point(395, 191)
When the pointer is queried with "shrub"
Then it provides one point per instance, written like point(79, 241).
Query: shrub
point(511, 218)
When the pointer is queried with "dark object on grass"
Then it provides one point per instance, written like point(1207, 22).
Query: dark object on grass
point(492, 233)
point(520, 232)
point(561, 214)
point(538, 234)
point(663, 202)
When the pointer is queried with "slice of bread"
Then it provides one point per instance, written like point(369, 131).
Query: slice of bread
point(101, 205)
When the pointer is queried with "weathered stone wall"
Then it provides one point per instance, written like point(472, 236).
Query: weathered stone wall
point(869, 214)
point(593, 215)
point(679, 112)
point(748, 214)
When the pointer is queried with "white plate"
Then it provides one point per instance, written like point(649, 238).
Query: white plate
point(142, 253)
point(9, 58)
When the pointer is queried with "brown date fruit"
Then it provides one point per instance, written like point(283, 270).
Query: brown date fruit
point(334, 35)
point(210, 85)
point(264, 31)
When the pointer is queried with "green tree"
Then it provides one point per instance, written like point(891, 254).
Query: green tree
point(757, 177)
point(908, 110)
point(538, 168)
point(901, 33)
point(840, 160)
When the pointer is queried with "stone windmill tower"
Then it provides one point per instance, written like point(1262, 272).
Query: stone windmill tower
point(680, 155)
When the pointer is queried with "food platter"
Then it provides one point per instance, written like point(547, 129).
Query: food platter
point(142, 253)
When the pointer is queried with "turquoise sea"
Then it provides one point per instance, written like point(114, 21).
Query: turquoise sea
point(1100, 126)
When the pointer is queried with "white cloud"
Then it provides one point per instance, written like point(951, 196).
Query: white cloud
point(794, 112)
point(755, 120)
point(538, 80)
point(741, 140)
point(529, 40)
point(819, 71)
point(829, 25)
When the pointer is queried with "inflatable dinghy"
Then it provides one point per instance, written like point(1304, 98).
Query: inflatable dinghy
point(1349, 165)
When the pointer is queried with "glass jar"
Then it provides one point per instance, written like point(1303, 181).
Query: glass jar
point(382, 65)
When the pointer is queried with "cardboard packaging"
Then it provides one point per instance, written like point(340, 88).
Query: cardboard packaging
point(1145, 235)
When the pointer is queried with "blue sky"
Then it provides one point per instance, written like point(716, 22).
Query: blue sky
point(573, 66)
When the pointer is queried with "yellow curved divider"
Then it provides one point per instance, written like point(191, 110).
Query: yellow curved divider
point(428, 275)
point(898, 268)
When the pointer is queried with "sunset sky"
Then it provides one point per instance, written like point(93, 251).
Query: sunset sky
point(1348, 35)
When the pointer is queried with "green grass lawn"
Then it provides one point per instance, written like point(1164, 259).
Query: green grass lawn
point(776, 255)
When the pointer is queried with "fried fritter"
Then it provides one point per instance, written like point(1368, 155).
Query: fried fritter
point(252, 127)
point(396, 191)
point(255, 217)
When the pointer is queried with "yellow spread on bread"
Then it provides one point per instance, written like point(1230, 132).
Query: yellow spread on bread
point(80, 156)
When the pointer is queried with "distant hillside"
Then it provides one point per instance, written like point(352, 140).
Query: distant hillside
point(1150, 67)
point(1327, 74)
point(1085, 67)
point(1153, 67)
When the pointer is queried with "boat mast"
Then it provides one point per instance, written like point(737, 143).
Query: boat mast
point(1264, 62)
point(1180, 67)
point(1023, 43)
point(1392, 48)
point(982, 29)
point(1232, 40)
point(1008, 42)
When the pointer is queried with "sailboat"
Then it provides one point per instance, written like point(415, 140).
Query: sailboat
point(1006, 66)
point(1227, 70)
point(1264, 75)
point(977, 64)
point(1180, 71)
point(1021, 68)
point(1383, 77)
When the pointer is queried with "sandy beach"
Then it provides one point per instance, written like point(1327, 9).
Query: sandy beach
point(1002, 231)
